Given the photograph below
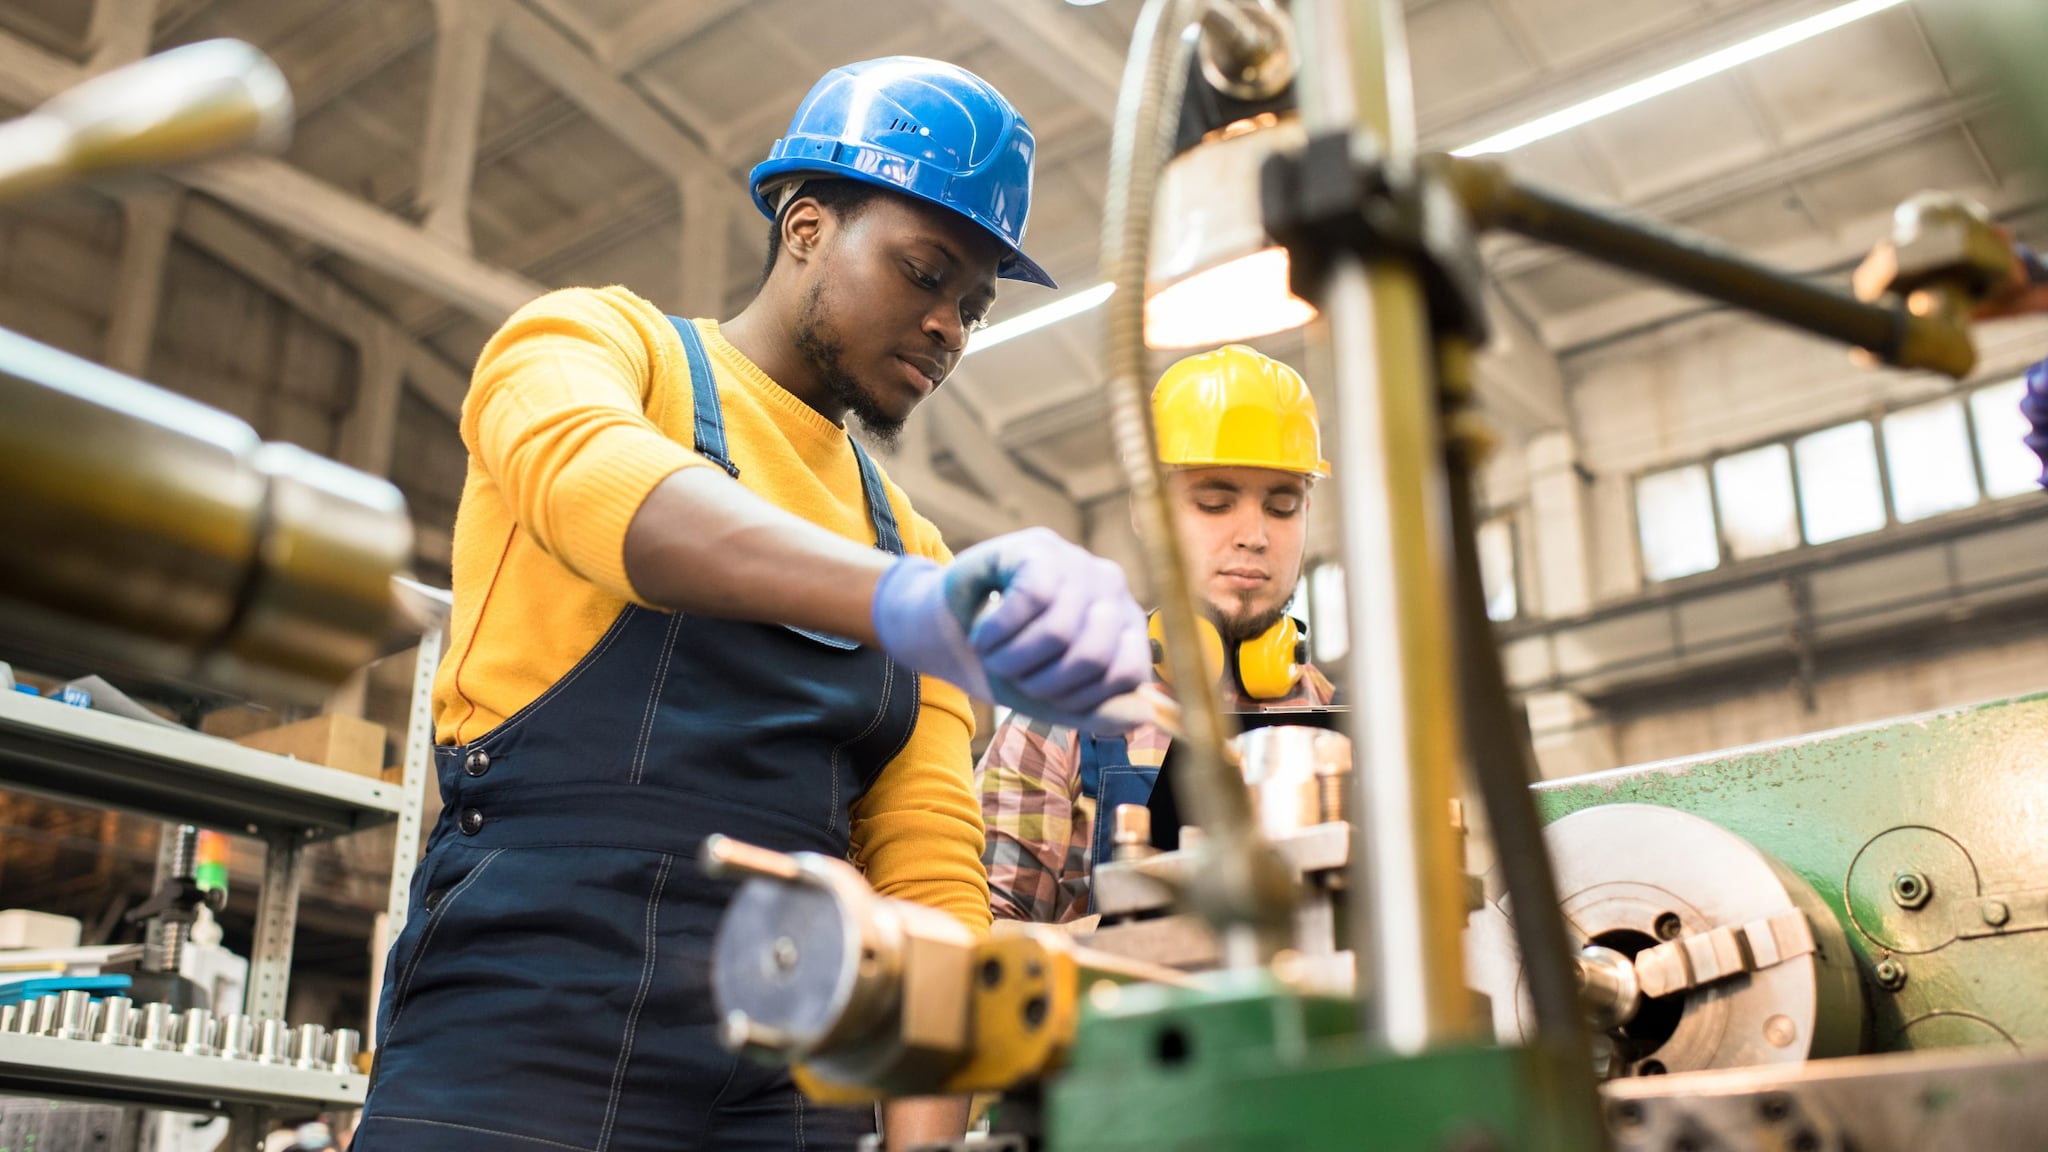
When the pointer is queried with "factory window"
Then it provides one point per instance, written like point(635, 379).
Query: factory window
point(1927, 456)
point(1753, 490)
point(1675, 523)
point(1329, 635)
point(1497, 568)
point(1840, 494)
point(2010, 467)
point(1938, 457)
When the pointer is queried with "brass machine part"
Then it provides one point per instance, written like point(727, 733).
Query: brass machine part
point(1943, 256)
point(149, 533)
point(870, 996)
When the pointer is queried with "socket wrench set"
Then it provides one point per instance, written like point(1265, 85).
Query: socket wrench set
point(116, 1020)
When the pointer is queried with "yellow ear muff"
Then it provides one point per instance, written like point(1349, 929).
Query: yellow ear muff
point(1269, 664)
point(1212, 648)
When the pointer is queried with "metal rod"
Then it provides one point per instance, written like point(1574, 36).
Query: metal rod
point(1679, 259)
point(725, 858)
point(1245, 892)
point(1504, 767)
point(1407, 907)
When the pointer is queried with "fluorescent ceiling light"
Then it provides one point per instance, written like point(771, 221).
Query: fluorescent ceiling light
point(1085, 300)
point(1541, 128)
point(1692, 72)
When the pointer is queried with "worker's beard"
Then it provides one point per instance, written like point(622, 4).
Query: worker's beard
point(1245, 624)
point(818, 342)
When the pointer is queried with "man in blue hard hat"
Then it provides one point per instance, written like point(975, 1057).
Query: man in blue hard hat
point(687, 602)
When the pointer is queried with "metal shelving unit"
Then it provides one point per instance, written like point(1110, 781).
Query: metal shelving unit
point(185, 777)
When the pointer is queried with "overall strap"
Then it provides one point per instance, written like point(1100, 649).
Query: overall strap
point(704, 394)
point(883, 517)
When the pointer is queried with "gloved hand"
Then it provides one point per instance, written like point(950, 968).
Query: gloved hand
point(1064, 638)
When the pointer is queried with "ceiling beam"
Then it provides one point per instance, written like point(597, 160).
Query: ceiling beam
point(573, 72)
point(1455, 123)
point(462, 52)
point(149, 216)
point(345, 46)
point(279, 194)
point(659, 27)
point(1050, 37)
point(958, 429)
point(283, 196)
point(368, 434)
point(120, 32)
point(234, 242)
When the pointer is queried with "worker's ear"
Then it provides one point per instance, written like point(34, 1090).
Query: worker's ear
point(804, 224)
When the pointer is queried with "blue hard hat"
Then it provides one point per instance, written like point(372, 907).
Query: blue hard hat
point(922, 127)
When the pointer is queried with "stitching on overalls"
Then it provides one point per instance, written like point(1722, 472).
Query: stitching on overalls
point(434, 919)
point(798, 1096)
point(640, 746)
point(590, 658)
point(653, 918)
point(474, 1128)
point(881, 713)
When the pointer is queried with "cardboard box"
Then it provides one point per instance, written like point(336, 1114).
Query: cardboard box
point(342, 742)
point(21, 928)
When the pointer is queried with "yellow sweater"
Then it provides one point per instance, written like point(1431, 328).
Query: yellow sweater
point(580, 405)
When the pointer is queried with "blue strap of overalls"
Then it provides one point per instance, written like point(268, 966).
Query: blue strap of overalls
point(710, 436)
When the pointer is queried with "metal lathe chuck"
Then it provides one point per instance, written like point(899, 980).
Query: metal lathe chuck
point(1700, 951)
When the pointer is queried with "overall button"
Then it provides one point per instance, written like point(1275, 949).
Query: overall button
point(472, 821)
point(477, 762)
point(432, 899)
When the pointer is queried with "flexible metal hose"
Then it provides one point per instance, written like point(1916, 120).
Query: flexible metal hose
point(1248, 892)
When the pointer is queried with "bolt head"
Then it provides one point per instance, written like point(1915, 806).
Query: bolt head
point(1891, 974)
point(1911, 889)
point(1996, 913)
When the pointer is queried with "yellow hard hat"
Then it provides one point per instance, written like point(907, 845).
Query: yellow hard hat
point(1237, 408)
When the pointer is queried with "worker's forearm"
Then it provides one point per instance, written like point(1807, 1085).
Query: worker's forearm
point(923, 1120)
point(703, 543)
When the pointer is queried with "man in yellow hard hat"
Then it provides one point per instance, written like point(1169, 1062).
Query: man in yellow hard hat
point(1238, 430)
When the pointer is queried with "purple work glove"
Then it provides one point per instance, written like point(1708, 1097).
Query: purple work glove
point(1064, 638)
point(2034, 406)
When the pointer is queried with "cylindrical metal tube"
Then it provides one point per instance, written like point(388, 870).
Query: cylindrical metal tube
point(1408, 908)
point(160, 1028)
point(74, 1015)
point(309, 1046)
point(164, 935)
point(195, 1032)
point(236, 1038)
point(8, 1014)
point(150, 532)
point(342, 1048)
point(273, 1041)
point(46, 1014)
point(1682, 260)
point(117, 1021)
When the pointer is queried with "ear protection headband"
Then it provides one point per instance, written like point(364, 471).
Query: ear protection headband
point(1268, 665)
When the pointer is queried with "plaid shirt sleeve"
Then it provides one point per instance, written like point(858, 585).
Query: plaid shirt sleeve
point(1030, 782)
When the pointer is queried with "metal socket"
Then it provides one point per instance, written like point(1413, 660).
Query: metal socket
point(342, 1048)
point(309, 1047)
point(273, 1041)
point(117, 1021)
point(236, 1038)
point(46, 1014)
point(74, 1015)
point(195, 1032)
point(160, 1028)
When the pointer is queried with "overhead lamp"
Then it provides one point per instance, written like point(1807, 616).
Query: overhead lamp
point(1215, 276)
